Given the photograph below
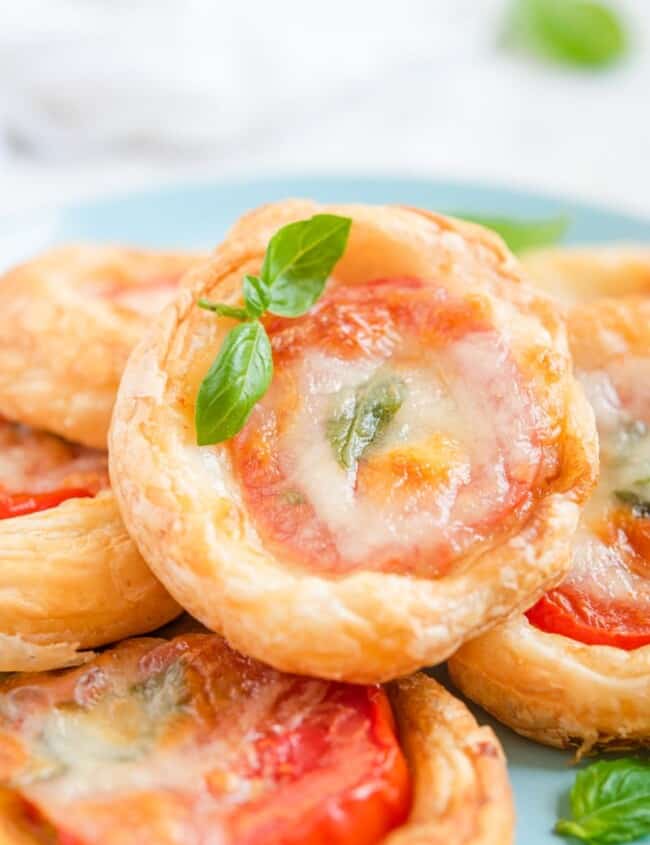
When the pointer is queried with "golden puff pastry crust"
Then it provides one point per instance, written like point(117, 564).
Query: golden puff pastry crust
point(184, 507)
point(461, 791)
point(459, 788)
point(70, 576)
point(68, 320)
point(72, 579)
point(580, 274)
point(554, 688)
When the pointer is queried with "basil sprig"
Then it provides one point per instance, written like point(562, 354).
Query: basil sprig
point(576, 32)
point(521, 235)
point(610, 803)
point(362, 415)
point(297, 263)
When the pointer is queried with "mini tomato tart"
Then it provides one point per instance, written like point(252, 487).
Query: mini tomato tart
point(70, 577)
point(413, 474)
point(186, 742)
point(575, 670)
point(580, 274)
point(68, 321)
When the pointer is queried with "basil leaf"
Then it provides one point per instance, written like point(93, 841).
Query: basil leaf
point(610, 803)
point(256, 296)
point(223, 310)
point(238, 378)
point(521, 235)
point(294, 497)
point(298, 260)
point(578, 32)
point(640, 506)
point(361, 417)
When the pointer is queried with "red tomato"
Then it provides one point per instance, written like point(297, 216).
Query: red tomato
point(194, 744)
point(306, 762)
point(578, 616)
point(20, 504)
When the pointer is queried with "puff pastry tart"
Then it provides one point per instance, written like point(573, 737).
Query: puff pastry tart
point(575, 670)
point(68, 320)
point(460, 510)
point(580, 274)
point(70, 577)
point(185, 742)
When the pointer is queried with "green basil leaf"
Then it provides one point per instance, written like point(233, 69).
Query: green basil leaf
point(294, 497)
point(298, 260)
point(238, 378)
point(256, 296)
point(361, 417)
point(610, 803)
point(578, 32)
point(223, 310)
point(521, 235)
point(640, 506)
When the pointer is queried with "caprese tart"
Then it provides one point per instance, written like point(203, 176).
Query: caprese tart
point(70, 577)
point(68, 321)
point(185, 742)
point(575, 669)
point(387, 455)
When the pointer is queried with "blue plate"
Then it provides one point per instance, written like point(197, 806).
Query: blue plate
point(198, 216)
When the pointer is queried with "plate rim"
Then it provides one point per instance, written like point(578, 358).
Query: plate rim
point(209, 183)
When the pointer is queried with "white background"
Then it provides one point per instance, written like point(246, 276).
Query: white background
point(99, 96)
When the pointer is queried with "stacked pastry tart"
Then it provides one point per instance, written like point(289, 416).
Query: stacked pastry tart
point(575, 669)
point(184, 741)
point(70, 576)
point(68, 321)
point(365, 448)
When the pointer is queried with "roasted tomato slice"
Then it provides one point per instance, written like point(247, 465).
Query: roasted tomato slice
point(39, 471)
point(186, 742)
point(579, 616)
point(398, 432)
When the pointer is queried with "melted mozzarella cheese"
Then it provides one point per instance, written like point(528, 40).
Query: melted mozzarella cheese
point(360, 526)
point(631, 377)
point(597, 569)
point(603, 398)
point(459, 395)
point(624, 437)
